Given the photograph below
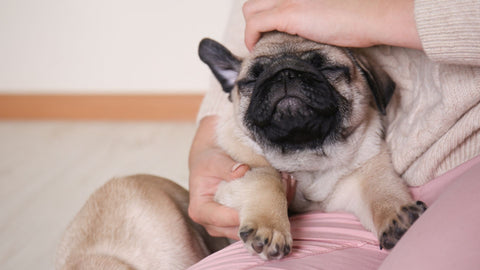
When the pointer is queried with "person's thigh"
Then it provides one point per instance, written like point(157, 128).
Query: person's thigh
point(444, 237)
point(447, 236)
point(321, 241)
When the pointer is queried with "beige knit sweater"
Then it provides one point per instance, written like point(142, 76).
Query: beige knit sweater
point(434, 117)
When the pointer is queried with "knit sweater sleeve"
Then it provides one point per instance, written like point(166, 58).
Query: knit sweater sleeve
point(450, 30)
point(214, 102)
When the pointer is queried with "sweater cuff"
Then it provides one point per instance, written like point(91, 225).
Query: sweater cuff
point(449, 30)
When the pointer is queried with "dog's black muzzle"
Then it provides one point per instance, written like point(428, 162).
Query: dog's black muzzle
point(293, 106)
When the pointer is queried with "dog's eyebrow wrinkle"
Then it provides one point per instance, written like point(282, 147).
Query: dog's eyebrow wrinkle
point(265, 58)
point(257, 69)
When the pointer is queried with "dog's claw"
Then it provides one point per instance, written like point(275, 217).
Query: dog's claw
point(274, 253)
point(245, 233)
point(257, 246)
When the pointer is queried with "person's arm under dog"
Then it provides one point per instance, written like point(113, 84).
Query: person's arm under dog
point(209, 165)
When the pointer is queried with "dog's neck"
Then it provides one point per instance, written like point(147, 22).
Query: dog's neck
point(317, 174)
point(347, 154)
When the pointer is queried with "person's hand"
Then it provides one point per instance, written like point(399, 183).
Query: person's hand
point(209, 165)
point(348, 23)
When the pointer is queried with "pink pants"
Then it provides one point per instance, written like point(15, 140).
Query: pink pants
point(446, 236)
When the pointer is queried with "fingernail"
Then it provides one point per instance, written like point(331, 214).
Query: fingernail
point(236, 166)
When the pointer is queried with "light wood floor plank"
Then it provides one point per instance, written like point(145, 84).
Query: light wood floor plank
point(100, 107)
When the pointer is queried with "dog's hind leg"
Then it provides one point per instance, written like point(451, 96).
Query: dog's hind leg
point(135, 222)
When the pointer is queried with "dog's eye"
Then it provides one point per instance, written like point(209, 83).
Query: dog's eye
point(317, 60)
point(245, 83)
point(255, 72)
point(333, 72)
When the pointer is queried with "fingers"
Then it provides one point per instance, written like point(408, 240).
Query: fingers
point(218, 165)
point(263, 16)
point(254, 6)
point(206, 159)
point(209, 165)
point(215, 163)
point(218, 215)
point(238, 170)
point(225, 168)
point(348, 23)
point(260, 17)
point(259, 23)
point(228, 232)
point(217, 219)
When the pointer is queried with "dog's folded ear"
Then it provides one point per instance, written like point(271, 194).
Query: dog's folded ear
point(224, 65)
point(381, 85)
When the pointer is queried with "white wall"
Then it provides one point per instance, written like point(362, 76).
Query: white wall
point(105, 46)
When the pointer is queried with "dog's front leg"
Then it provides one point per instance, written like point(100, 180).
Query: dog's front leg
point(380, 199)
point(260, 199)
point(392, 208)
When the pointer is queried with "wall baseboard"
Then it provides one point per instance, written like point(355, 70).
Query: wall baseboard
point(99, 107)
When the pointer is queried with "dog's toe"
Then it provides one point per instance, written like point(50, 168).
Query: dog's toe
point(400, 223)
point(245, 233)
point(267, 242)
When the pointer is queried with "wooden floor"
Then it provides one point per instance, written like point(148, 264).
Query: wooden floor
point(100, 107)
point(49, 168)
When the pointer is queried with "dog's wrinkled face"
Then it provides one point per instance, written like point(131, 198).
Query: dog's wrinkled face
point(293, 94)
point(291, 100)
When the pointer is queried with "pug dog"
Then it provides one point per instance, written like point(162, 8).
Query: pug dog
point(314, 111)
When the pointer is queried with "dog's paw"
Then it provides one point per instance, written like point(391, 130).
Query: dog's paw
point(399, 224)
point(269, 242)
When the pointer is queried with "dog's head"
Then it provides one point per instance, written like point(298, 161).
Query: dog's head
point(294, 94)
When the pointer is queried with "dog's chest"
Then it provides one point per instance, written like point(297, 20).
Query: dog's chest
point(314, 189)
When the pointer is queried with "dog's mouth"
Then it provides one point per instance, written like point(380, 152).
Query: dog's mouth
point(294, 109)
point(291, 107)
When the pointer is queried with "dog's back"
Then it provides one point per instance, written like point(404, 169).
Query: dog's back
point(135, 222)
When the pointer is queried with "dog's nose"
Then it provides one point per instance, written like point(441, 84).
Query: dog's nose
point(286, 82)
point(286, 74)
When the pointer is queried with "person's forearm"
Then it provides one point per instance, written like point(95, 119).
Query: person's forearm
point(208, 166)
point(352, 23)
point(396, 24)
